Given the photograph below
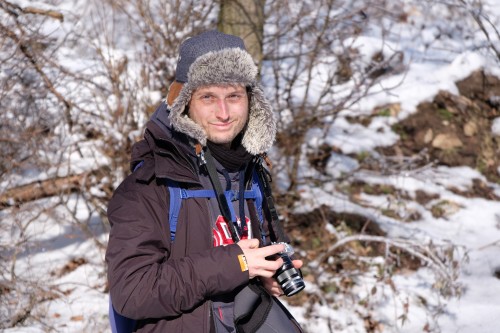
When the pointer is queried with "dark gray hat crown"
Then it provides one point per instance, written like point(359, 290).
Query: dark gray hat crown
point(194, 47)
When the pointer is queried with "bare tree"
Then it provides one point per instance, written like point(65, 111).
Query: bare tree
point(315, 69)
point(244, 18)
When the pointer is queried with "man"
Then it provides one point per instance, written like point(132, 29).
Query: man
point(186, 280)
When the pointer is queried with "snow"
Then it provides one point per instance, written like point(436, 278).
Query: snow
point(470, 224)
point(495, 128)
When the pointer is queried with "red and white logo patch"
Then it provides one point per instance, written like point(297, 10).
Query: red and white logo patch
point(222, 234)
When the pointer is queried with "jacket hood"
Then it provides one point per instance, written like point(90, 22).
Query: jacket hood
point(227, 66)
point(164, 153)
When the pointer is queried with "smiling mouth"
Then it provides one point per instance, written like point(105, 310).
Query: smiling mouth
point(222, 125)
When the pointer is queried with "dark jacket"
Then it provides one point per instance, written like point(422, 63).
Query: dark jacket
point(165, 285)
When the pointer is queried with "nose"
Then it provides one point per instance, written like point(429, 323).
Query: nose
point(222, 112)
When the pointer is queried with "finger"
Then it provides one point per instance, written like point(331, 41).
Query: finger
point(270, 265)
point(274, 289)
point(276, 292)
point(272, 249)
point(264, 273)
point(297, 263)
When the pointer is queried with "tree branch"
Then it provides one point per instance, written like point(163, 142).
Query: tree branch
point(43, 189)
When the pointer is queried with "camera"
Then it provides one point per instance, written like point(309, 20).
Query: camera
point(288, 277)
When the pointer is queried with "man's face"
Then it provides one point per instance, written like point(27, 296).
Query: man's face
point(222, 111)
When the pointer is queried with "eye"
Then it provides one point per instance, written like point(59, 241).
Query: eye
point(206, 97)
point(235, 97)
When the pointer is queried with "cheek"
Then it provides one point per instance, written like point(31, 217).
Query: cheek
point(196, 114)
point(243, 112)
point(246, 115)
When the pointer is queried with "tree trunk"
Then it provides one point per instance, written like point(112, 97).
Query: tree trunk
point(244, 18)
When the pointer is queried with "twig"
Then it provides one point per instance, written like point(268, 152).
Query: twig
point(415, 249)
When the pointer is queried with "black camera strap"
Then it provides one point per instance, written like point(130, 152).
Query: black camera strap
point(275, 223)
point(264, 178)
point(208, 160)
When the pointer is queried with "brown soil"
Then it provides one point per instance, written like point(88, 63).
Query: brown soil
point(456, 130)
point(307, 232)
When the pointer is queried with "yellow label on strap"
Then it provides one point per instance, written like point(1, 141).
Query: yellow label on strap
point(243, 262)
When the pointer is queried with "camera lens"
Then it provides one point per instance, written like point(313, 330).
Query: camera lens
point(289, 277)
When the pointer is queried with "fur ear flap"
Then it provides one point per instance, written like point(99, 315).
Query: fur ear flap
point(173, 92)
point(261, 130)
point(180, 119)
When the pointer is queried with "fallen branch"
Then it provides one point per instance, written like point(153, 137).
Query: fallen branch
point(49, 13)
point(41, 189)
point(16, 11)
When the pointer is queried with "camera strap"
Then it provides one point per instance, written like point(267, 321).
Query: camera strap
point(264, 182)
point(207, 159)
point(264, 178)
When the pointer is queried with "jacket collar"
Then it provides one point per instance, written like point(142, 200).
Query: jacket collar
point(164, 156)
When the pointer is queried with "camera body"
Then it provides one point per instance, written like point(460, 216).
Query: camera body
point(287, 276)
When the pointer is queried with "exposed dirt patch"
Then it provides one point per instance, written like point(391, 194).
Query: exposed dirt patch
point(456, 130)
point(72, 265)
point(479, 189)
point(483, 89)
point(424, 198)
point(307, 232)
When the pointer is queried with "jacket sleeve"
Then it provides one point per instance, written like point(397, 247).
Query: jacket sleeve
point(145, 282)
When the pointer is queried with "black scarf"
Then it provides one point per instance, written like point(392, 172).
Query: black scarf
point(232, 158)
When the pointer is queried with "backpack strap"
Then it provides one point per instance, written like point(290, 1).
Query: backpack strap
point(258, 196)
point(175, 206)
point(177, 194)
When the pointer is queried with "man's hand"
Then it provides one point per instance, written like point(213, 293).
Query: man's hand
point(272, 286)
point(256, 257)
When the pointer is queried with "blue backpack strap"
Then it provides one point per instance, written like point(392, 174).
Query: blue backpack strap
point(177, 194)
point(231, 195)
point(138, 165)
point(197, 194)
point(119, 323)
point(258, 196)
point(175, 206)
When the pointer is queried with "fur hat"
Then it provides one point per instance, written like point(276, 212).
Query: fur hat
point(216, 58)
